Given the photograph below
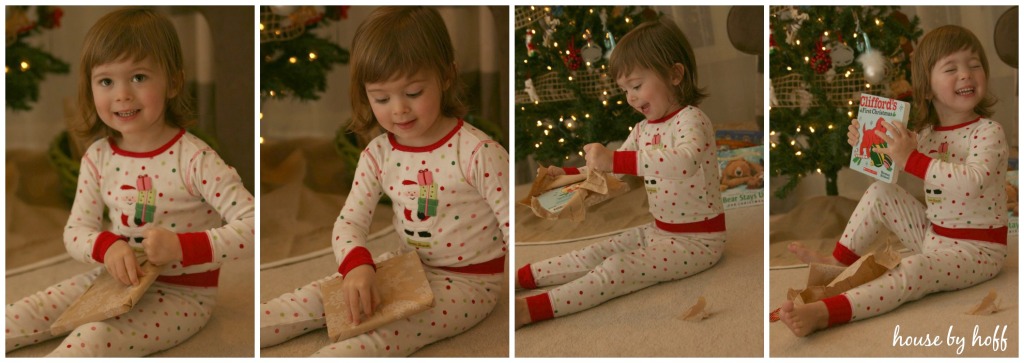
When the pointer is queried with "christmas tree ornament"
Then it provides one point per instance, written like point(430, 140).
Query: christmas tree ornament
point(841, 54)
point(773, 101)
point(591, 52)
point(531, 49)
point(609, 44)
point(830, 75)
point(549, 25)
point(821, 62)
point(531, 91)
point(572, 58)
point(873, 63)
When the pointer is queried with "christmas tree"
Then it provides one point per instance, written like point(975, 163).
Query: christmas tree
point(27, 65)
point(565, 97)
point(293, 60)
point(821, 59)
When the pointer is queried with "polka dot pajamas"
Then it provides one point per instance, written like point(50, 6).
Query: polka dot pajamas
point(958, 240)
point(184, 187)
point(460, 302)
point(622, 264)
point(166, 316)
point(676, 156)
point(451, 206)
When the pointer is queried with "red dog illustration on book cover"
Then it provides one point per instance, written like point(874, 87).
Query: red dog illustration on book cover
point(873, 110)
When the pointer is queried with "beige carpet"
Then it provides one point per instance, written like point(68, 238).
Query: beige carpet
point(645, 324)
point(933, 315)
point(229, 333)
point(487, 339)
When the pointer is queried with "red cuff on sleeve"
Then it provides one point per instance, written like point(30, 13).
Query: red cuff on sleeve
point(357, 257)
point(917, 164)
point(839, 309)
point(539, 307)
point(844, 255)
point(525, 276)
point(624, 162)
point(571, 171)
point(103, 242)
point(195, 248)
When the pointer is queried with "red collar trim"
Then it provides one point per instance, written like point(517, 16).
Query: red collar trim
point(147, 154)
point(663, 119)
point(954, 127)
point(431, 147)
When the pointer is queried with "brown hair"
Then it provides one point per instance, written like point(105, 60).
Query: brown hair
point(658, 45)
point(935, 45)
point(133, 34)
point(401, 41)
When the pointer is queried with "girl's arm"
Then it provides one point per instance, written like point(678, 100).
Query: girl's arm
point(352, 226)
point(84, 237)
point(489, 174)
point(985, 161)
point(597, 153)
point(681, 161)
point(211, 178)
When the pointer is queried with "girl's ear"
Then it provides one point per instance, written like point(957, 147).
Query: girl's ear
point(175, 84)
point(452, 71)
point(678, 71)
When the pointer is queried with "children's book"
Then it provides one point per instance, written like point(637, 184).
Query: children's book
point(568, 196)
point(105, 299)
point(873, 110)
point(404, 291)
point(742, 181)
point(1013, 222)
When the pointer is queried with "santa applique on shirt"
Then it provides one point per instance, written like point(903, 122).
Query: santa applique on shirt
point(424, 193)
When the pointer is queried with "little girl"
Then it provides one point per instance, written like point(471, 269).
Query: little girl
point(959, 238)
point(674, 150)
point(168, 195)
point(448, 183)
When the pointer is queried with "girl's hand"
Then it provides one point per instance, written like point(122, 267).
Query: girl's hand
point(161, 246)
point(900, 145)
point(360, 291)
point(554, 171)
point(854, 134)
point(599, 158)
point(121, 264)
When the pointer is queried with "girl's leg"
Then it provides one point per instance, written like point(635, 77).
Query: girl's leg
point(460, 302)
point(293, 314)
point(946, 265)
point(166, 316)
point(883, 207)
point(29, 319)
point(570, 266)
point(663, 257)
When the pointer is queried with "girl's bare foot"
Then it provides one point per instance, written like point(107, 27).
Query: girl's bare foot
point(808, 255)
point(522, 313)
point(805, 319)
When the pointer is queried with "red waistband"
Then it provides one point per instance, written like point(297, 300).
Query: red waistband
point(716, 224)
point(495, 266)
point(202, 279)
point(994, 235)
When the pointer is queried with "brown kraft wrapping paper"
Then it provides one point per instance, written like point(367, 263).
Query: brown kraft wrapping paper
point(827, 280)
point(404, 291)
point(586, 191)
point(105, 299)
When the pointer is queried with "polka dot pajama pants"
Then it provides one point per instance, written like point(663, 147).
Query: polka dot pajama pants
point(460, 302)
point(623, 263)
point(938, 263)
point(167, 315)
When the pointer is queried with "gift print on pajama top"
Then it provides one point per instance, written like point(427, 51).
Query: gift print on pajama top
point(183, 186)
point(677, 158)
point(451, 205)
point(958, 238)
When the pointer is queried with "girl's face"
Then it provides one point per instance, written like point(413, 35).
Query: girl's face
point(131, 97)
point(410, 108)
point(958, 84)
point(649, 94)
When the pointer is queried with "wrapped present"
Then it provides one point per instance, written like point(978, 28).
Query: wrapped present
point(568, 196)
point(424, 177)
point(105, 299)
point(404, 291)
point(426, 206)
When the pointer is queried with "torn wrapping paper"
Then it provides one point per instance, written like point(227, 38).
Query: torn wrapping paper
point(827, 280)
point(987, 306)
point(105, 299)
point(404, 291)
point(568, 196)
point(697, 312)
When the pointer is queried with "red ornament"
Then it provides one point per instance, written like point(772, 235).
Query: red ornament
point(573, 60)
point(821, 62)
